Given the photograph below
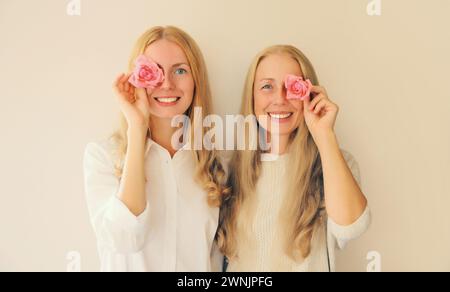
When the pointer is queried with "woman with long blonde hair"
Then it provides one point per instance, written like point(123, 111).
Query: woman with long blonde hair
point(290, 206)
point(154, 206)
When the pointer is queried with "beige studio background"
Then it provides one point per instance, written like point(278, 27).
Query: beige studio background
point(388, 73)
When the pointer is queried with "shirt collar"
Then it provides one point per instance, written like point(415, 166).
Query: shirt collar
point(151, 143)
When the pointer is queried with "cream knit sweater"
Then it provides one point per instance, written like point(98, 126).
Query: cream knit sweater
point(261, 251)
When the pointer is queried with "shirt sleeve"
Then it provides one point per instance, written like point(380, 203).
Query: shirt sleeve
point(116, 228)
point(343, 234)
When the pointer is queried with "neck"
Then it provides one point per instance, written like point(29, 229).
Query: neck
point(162, 132)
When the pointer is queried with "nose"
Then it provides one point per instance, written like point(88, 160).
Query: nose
point(280, 96)
point(167, 83)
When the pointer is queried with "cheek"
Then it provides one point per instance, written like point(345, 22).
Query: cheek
point(187, 85)
point(299, 113)
point(260, 104)
point(149, 92)
point(298, 106)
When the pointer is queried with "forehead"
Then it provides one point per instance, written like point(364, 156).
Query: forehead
point(277, 66)
point(165, 53)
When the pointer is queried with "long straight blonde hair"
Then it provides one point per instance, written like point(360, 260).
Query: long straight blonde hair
point(210, 173)
point(304, 207)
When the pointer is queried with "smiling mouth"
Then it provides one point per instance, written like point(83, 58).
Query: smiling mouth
point(167, 100)
point(280, 116)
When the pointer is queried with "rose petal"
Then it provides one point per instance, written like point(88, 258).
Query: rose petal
point(146, 74)
point(297, 88)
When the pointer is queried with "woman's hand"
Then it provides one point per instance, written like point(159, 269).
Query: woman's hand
point(320, 114)
point(133, 103)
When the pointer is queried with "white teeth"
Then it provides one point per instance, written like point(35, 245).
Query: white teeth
point(280, 116)
point(167, 100)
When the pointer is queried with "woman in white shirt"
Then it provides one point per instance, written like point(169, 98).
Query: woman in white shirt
point(155, 207)
point(291, 206)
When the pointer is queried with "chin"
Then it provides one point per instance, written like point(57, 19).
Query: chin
point(284, 129)
point(166, 115)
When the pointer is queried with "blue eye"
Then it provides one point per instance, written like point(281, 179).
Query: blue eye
point(180, 71)
point(267, 87)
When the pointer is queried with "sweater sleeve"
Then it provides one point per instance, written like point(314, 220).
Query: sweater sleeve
point(116, 228)
point(343, 234)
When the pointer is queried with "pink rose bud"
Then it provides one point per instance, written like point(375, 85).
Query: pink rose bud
point(297, 88)
point(146, 74)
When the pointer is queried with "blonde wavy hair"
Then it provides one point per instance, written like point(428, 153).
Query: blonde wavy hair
point(303, 209)
point(210, 173)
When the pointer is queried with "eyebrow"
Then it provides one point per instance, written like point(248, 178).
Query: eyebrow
point(266, 79)
point(179, 64)
point(173, 66)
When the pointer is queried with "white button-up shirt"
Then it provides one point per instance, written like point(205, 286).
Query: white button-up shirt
point(174, 233)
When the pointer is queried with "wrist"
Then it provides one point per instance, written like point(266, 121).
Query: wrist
point(326, 140)
point(137, 132)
